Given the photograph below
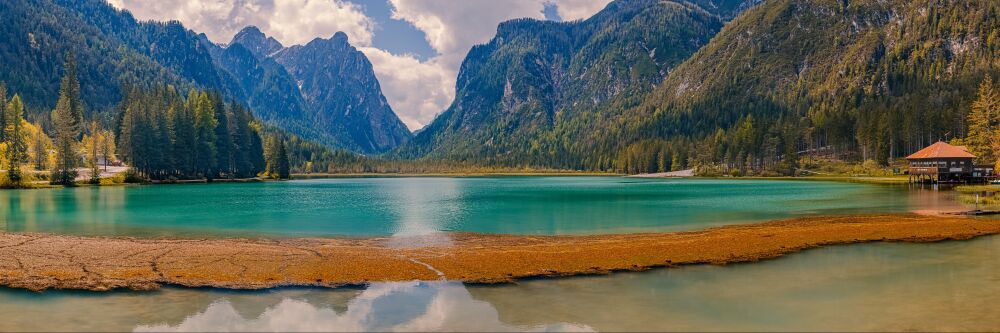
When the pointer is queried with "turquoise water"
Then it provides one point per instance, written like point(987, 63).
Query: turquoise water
point(394, 206)
point(864, 287)
point(950, 286)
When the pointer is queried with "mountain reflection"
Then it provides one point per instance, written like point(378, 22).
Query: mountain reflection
point(396, 306)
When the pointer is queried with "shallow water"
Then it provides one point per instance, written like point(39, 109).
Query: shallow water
point(883, 286)
point(415, 206)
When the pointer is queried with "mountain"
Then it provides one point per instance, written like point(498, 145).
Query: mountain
point(725, 9)
point(270, 90)
point(111, 48)
point(343, 106)
point(869, 79)
point(539, 87)
point(640, 88)
point(338, 82)
point(260, 45)
point(325, 90)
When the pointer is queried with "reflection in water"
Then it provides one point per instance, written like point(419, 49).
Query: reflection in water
point(398, 306)
point(926, 199)
point(423, 206)
point(395, 306)
point(940, 286)
point(945, 286)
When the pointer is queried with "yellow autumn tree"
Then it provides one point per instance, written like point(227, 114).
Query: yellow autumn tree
point(98, 148)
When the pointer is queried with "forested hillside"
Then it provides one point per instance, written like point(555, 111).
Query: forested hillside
point(529, 95)
point(726, 86)
point(115, 51)
point(158, 133)
point(856, 80)
point(865, 79)
point(37, 35)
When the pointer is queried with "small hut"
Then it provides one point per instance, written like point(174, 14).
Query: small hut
point(945, 163)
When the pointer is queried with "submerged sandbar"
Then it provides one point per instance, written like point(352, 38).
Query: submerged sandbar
point(44, 261)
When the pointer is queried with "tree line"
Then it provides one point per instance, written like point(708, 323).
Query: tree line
point(164, 135)
point(159, 133)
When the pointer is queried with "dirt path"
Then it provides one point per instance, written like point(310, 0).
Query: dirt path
point(41, 261)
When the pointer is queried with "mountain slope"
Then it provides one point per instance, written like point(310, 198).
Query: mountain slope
point(874, 79)
point(114, 50)
point(269, 88)
point(37, 34)
point(538, 86)
point(325, 90)
point(337, 82)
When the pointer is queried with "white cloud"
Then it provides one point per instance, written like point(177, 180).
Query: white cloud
point(440, 306)
point(452, 28)
point(417, 90)
point(455, 26)
point(288, 21)
point(571, 10)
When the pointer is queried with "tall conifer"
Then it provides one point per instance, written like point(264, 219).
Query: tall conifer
point(3, 115)
point(17, 141)
point(204, 124)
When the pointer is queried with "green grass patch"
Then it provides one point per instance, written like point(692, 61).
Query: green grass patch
point(978, 188)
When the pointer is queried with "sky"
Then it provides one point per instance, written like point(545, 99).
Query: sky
point(415, 46)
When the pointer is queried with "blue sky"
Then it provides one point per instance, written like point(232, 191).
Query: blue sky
point(395, 36)
point(415, 46)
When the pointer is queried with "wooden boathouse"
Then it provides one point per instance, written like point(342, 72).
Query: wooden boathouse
point(945, 163)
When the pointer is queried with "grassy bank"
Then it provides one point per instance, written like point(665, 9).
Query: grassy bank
point(451, 174)
point(886, 180)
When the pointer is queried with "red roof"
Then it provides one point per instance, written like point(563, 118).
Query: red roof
point(941, 150)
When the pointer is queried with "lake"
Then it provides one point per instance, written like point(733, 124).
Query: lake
point(882, 286)
point(393, 206)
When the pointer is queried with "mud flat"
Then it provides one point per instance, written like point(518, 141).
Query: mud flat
point(43, 261)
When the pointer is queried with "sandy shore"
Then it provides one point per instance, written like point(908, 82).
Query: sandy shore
point(41, 261)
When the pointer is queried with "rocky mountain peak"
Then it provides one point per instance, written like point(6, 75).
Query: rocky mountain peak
point(257, 42)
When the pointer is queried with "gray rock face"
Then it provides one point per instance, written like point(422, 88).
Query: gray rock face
point(256, 42)
point(541, 92)
point(338, 83)
point(325, 90)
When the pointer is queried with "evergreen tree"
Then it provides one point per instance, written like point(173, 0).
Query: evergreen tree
point(184, 134)
point(982, 122)
point(278, 165)
point(162, 136)
point(3, 117)
point(17, 141)
point(204, 128)
point(70, 86)
point(66, 119)
point(284, 169)
point(223, 141)
point(271, 156)
point(64, 171)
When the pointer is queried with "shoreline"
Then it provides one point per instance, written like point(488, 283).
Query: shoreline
point(301, 176)
point(42, 261)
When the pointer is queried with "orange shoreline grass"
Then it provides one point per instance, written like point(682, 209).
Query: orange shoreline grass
point(42, 261)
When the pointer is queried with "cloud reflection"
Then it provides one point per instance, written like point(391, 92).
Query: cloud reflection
point(396, 306)
point(393, 306)
point(425, 207)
